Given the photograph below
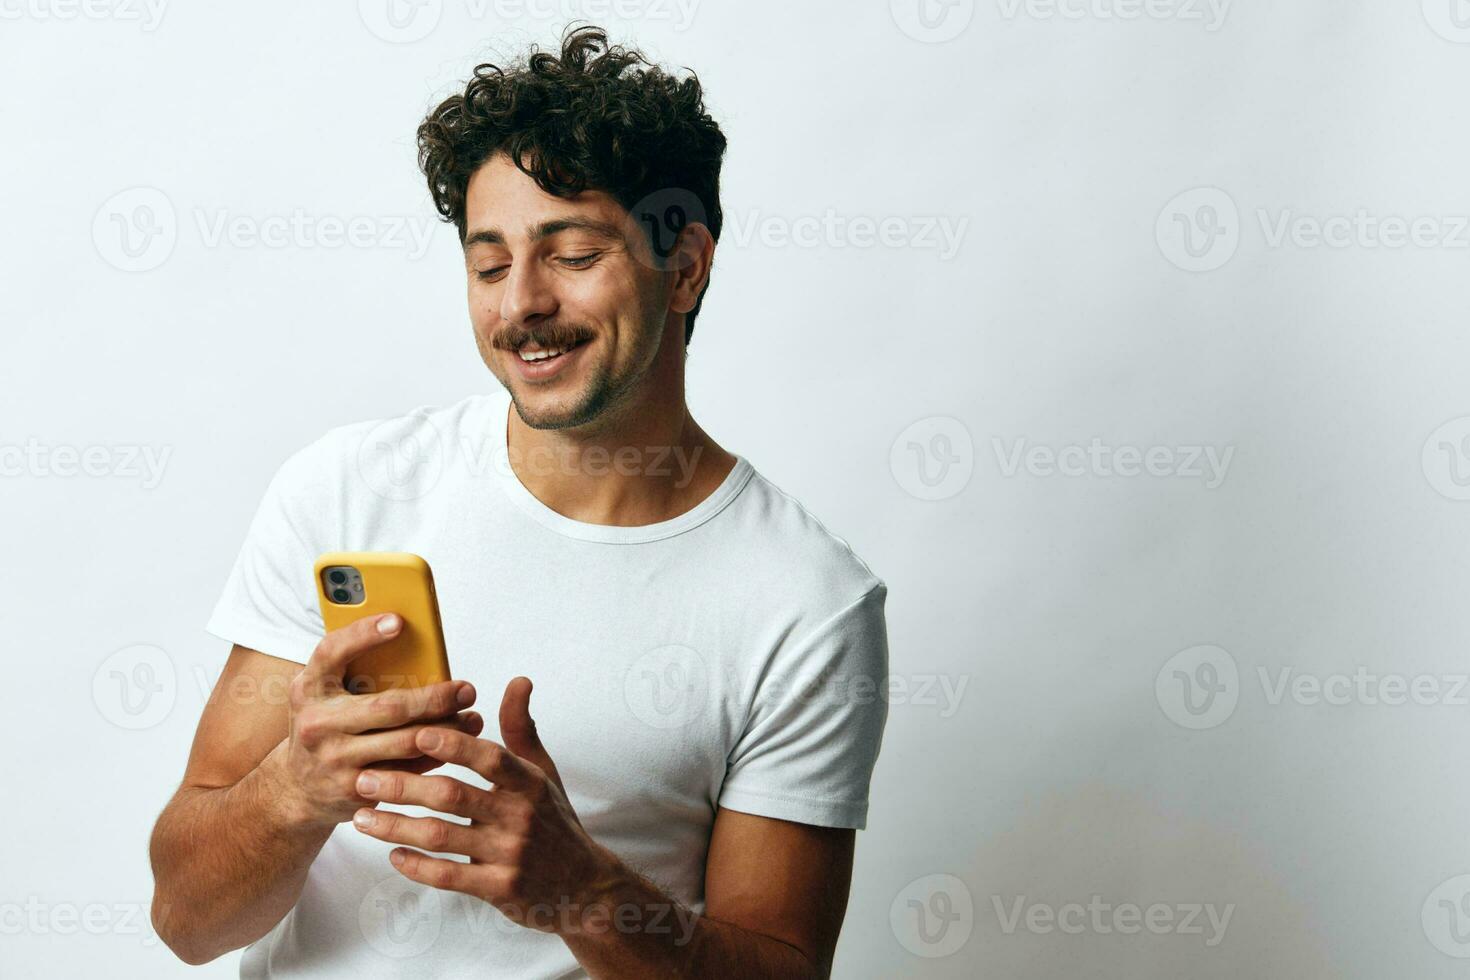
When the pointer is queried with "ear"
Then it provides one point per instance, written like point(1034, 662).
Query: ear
point(694, 254)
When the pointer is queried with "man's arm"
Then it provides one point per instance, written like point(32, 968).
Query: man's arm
point(775, 896)
point(269, 777)
point(226, 847)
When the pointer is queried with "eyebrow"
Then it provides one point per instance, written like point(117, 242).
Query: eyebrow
point(546, 229)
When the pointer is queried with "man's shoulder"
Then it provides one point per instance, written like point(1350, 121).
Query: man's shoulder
point(396, 457)
point(809, 556)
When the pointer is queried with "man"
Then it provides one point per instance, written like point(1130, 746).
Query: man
point(708, 659)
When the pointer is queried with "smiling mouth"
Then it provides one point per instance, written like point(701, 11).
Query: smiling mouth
point(533, 353)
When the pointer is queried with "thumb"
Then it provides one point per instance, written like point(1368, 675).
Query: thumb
point(518, 728)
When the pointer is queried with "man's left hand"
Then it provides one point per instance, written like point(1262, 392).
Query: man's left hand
point(529, 855)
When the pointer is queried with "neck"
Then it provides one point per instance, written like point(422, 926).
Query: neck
point(643, 461)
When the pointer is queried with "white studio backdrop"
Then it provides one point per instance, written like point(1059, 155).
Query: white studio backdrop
point(1125, 339)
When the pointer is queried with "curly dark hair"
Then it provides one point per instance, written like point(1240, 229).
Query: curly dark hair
point(595, 117)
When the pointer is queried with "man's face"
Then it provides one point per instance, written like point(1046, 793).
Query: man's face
point(567, 307)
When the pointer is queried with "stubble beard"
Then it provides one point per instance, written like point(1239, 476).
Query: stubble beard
point(601, 392)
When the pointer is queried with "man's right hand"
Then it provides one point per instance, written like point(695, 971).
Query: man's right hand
point(335, 734)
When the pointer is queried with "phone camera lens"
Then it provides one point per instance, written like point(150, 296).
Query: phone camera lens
point(338, 577)
point(342, 595)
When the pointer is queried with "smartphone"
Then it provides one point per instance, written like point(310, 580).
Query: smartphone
point(354, 584)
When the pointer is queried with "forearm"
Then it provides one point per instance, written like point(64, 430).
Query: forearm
point(229, 863)
point(637, 931)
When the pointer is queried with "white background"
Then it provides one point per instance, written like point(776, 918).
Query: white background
point(1059, 141)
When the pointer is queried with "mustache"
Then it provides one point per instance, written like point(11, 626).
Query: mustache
point(513, 337)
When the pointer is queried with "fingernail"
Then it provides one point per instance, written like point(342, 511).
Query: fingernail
point(388, 624)
point(367, 784)
point(364, 818)
point(396, 856)
point(429, 739)
point(465, 697)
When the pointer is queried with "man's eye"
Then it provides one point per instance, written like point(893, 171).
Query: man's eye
point(490, 275)
point(580, 261)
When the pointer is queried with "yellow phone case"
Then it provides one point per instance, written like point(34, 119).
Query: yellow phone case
point(393, 582)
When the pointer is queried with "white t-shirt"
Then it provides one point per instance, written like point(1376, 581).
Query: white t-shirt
point(734, 656)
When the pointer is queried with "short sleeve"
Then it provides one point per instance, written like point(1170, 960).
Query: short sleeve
point(816, 724)
point(269, 600)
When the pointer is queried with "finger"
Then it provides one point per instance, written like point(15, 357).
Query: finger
point(496, 763)
point(398, 743)
point(418, 764)
point(328, 663)
point(402, 705)
point(441, 873)
point(442, 793)
point(518, 728)
point(429, 833)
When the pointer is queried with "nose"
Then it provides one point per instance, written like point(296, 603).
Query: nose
point(528, 295)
